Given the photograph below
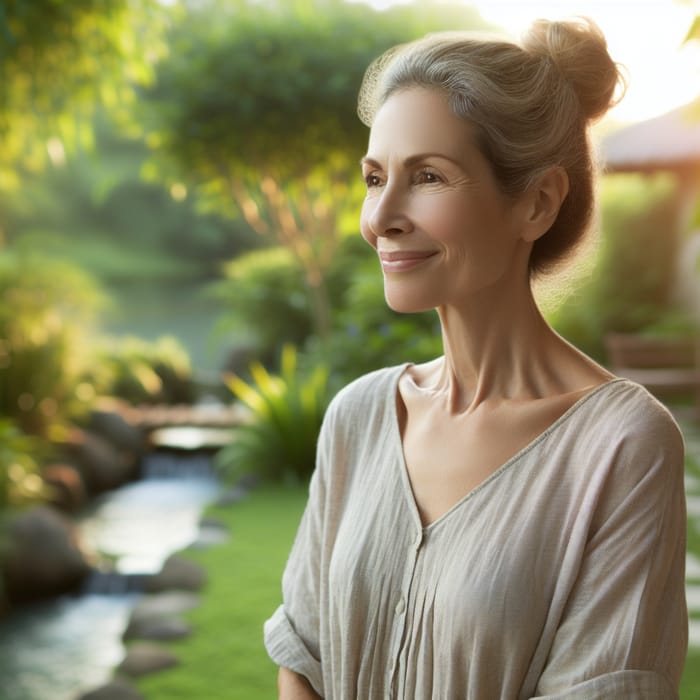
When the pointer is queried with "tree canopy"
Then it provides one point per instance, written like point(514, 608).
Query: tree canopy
point(58, 60)
point(256, 106)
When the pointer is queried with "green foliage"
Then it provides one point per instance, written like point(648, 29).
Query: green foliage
point(279, 440)
point(630, 288)
point(270, 88)
point(266, 300)
point(97, 211)
point(264, 292)
point(45, 313)
point(20, 482)
point(256, 106)
point(693, 31)
point(58, 60)
point(140, 371)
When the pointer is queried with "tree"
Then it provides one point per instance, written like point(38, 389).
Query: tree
point(255, 106)
point(58, 60)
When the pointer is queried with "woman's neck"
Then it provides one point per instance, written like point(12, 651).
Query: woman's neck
point(497, 346)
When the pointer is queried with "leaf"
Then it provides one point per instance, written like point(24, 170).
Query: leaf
point(694, 31)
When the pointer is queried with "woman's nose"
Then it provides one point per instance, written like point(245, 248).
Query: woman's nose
point(389, 216)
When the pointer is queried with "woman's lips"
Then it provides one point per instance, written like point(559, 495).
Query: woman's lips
point(399, 261)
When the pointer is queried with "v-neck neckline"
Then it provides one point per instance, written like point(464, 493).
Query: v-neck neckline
point(505, 466)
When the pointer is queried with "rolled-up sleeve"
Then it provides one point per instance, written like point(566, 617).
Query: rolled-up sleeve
point(624, 631)
point(292, 635)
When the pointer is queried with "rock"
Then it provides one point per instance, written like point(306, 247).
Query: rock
point(163, 605)
point(44, 558)
point(157, 628)
point(145, 657)
point(177, 573)
point(113, 427)
point(211, 531)
point(231, 496)
point(101, 465)
point(117, 689)
point(66, 487)
point(155, 616)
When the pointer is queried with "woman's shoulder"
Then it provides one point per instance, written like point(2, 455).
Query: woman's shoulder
point(369, 390)
point(626, 411)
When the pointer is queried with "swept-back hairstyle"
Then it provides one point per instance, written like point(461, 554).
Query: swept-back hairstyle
point(530, 102)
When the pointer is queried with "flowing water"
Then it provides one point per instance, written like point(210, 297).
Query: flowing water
point(58, 649)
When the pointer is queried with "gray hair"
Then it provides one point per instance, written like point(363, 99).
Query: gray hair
point(530, 102)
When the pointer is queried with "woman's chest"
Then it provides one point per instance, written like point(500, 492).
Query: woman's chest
point(448, 457)
point(485, 568)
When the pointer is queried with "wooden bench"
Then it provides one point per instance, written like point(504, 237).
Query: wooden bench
point(668, 367)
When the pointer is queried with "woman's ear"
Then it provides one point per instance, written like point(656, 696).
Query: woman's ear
point(543, 201)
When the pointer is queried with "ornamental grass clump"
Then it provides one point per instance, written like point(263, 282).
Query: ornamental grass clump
point(278, 441)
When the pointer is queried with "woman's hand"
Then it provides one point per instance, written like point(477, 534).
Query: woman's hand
point(292, 686)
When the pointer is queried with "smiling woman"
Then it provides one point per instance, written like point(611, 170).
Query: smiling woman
point(508, 520)
point(431, 197)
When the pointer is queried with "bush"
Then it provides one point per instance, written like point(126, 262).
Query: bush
point(45, 316)
point(141, 371)
point(268, 301)
point(630, 287)
point(20, 481)
point(286, 410)
point(264, 291)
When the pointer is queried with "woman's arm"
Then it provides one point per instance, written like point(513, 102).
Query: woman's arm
point(293, 633)
point(624, 631)
point(292, 686)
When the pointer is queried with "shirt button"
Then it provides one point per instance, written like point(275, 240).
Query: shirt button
point(400, 606)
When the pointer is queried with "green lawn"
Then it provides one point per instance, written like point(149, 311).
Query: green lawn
point(225, 658)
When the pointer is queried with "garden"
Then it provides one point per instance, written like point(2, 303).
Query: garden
point(179, 194)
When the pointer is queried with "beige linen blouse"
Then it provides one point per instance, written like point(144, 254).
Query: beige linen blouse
point(560, 576)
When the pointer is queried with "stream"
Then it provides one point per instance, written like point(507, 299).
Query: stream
point(58, 649)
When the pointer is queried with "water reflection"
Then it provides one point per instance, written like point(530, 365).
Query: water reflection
point(62, 648)
point(56, 650)
point(142, 523)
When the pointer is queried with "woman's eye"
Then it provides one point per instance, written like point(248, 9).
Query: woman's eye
point(427, 177)
point(372, 180)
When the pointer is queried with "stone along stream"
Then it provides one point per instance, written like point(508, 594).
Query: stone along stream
point(58, 649)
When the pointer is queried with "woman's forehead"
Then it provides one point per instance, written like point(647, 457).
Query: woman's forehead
point(419, 120)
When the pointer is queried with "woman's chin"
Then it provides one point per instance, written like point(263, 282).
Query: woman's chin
point(403, 304)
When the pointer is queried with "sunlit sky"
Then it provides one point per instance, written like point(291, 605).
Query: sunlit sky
point(644, 35)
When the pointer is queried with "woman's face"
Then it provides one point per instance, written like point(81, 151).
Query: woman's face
point(433, 211)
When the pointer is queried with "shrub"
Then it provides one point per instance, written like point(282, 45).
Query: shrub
point(141, 371)
point(264, 292)
point(630, 287)
point(45, 316)
point(20, 481)
point(278, 442)
point(268, 302)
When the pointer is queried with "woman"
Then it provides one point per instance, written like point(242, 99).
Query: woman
point(507, 521)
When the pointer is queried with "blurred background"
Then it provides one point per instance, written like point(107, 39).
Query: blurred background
point(183, 287)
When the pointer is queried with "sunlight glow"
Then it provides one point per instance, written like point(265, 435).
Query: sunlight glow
point(644, 35)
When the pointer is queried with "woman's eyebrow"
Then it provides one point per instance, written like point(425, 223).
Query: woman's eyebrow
point(366, 160)
point(411, 160)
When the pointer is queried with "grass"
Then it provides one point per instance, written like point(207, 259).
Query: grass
point(225, 657)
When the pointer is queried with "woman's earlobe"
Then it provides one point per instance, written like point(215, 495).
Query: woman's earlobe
point(546, 196)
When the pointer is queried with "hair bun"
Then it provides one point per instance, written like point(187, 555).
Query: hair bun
point(578, 50)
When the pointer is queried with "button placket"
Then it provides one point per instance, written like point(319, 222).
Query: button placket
point(400, 608)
